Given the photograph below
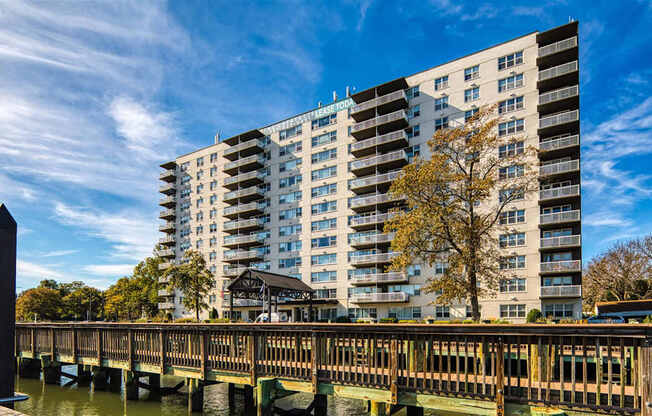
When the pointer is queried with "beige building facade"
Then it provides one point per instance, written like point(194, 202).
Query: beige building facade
point(307, 196)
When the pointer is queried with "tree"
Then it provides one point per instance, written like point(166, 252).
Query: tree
point(146, 277)
point(119, 302)
point(193, 279)
point(455, 201)
point(39, 303)
point(624, 272)
point(82, 303)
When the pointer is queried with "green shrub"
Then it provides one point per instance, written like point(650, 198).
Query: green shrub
point(389, 320)
point(500, 322)
point(468, 321)
point(185, 320)
point(213, 314)
point(408, 321)
point(217, 321)
point(441, 322)
point(648, 319)
point(343, 320)
point(533, 316)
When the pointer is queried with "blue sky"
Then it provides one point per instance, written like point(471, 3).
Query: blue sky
point(94, 95)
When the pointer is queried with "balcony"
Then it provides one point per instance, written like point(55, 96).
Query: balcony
point(385, 142)
point(560, 217)
point(385, 103)
point(380, 201)
point(167, 241)
point(381, 124)
point(379, 278)
point(569, 191)
point(246, 164)
point(244, 180)
point(560, 143)
point(371, 259)
point(247, 302)
point(394, 297)
point(167, 214)
point(168, 176)
point(558, 71)
point(244, 149)
point(165, 292)
point(557, 47)
point(568, 291)
point(560, 242)
point(363, 241)
point(564, 266)
point(244, 195)
point(252, 208)
point(167, 189)
point(168, 227)
point(233, 271)
point(167, 253)
point(168, 202)
point(392, 160)
point(370, 183)
point(244, 225)
point(559, 119)
point(559, 99)
point(371, 221)
point(243, 240)
point(164, 265)
point(165, 305)
point(242, 255)
point(559, 168)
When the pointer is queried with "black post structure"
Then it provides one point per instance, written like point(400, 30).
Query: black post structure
point(7, 304)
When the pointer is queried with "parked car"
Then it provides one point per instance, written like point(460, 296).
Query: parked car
point(606, 320)
point(276, 317)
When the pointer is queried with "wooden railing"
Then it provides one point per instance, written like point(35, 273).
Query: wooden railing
point(591, 367)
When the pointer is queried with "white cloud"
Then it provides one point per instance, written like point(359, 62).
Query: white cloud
point(29, 270)
point(364, 8)
point(59, 253)
point(110, 270)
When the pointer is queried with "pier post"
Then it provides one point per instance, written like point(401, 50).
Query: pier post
point(154, 381)
point(414, 411)
point(52, 373)
point(231, 394)
point(195, 395)
point(131, 384)
point(248, 399)
point(83, 376)
point(115, 379)
point(100, 378)
point(646, 377)
point(28, 368)
point(321, 405)
point(378, 408)
point(264, 396)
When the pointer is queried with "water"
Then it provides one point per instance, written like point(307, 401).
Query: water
point(57, 400)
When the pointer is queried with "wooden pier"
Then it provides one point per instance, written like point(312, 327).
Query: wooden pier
point(457, 369)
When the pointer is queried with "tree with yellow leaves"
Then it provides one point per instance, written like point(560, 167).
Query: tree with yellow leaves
point(455, 200)
point(193, 279)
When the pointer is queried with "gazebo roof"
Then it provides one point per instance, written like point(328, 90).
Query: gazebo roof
point(252, 284)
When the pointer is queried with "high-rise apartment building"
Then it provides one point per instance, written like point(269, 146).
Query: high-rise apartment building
point(307, 196)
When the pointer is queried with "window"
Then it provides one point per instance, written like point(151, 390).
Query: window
point(412, 290)
point(289, 149)
point(213, 157)
point(471, 94)
point(510, 127)
point(512, 240)
point(326, 293)
point(324, 207)
point(212, 227)
point(323, 259)
point(360, 313)
point(413, 152)
point(405, 313)
point(288, 133)
point(322, 242)
point(558, 310)
point(441, 123)
point(511, 104)
point(289, 230)
point(324, 190)
point(442, 312)
point(329, 276)
point(323, 139)
point(512, 217)
point(469, 113)
point(324, 156)
point(511, 60)
point(290, 197)
point(512, 311)
point(324, 173)
point(510, 83)
point(328, 314)
point(213, 171)
point(512, 262)
point(412, 92)
point(512, 194)
point(441, 103)
point(327, 224)
point(200, 161)
point(413, 131)
point(414, 111)
point(558, 281)
point(291, 262)
point(213, 185)
point(472, 73)
point(441, 83)
point(200, 188)
point(288, 214)
point(509, 172)
point(510, 149)
point(440, 268)
point(289, 165)
point(324, 121)
point(289, 246)
point(289, 181)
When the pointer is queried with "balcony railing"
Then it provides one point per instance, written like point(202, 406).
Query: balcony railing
point(557, 119)
point(375, 179)
point(240, 208)
point(557, 71)
point(234, 225)
point(363, 201)
point(560, 143)
point(561, 192)
point(233, 271)
point(561, 242)
point(380, 297)
point(560, 217)
point(245, 161)
point(166, 240)
point(165, 305)
point(241, 254)
point(373, 258)
point(560, 94)
point(243, 239)
point(168, 226)
point(372, 219)
point(167, 189)
point(168, 201)
point(386, 118)
point(561, 266)
point(560, 46)
point(243, 177)
point(164, 265)
point(379, 140)
point(561, 167)
point(372, 239)
point(567, 291)
point(166, 253)
point(233, 150)
point(167, 213)
point(392, 96)
point(250, 191)
point(165, 292)
point(373, 278)
point(399, 155)
point(167, 175)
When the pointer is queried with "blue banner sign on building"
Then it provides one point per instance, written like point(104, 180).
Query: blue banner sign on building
point(309, 116)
